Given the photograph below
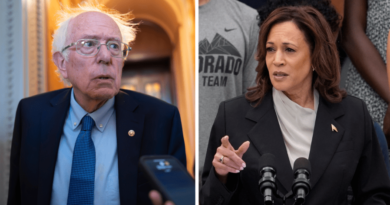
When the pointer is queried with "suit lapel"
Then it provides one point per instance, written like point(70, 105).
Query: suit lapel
point(52, 123)
point(128, 147)
point(325, 141)
point(267, 137)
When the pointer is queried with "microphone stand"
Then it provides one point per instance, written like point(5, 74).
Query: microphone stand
point(284, 197)
point(279, 195)
point(289, 195)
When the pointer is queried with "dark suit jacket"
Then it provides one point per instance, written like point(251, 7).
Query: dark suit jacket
point(39, 125)
point(350, 156)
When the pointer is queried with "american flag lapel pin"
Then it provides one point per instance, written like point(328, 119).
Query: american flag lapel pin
point(334, 129)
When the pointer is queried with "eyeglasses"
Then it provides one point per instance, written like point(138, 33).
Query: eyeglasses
point(90, 47)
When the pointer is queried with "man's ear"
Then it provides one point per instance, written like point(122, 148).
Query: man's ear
point(59, 60)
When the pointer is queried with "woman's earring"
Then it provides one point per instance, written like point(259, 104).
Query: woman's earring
point(313, 68)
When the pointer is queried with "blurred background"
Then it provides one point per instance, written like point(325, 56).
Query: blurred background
point(161, 64)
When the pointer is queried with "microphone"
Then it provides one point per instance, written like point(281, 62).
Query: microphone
point(267, 183)
point(301, 185)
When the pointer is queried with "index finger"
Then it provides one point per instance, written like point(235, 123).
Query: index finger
point(225, 142)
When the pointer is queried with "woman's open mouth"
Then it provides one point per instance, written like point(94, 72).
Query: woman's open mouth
point(278, 75)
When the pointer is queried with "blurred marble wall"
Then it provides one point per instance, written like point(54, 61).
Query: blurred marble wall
point(22, 57)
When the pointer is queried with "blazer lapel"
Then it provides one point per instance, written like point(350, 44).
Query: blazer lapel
point(325, 141)
point(128, 147)
point(267, 137)
point(52, 123)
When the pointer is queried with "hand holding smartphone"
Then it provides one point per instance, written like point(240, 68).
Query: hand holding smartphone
point(169, 177)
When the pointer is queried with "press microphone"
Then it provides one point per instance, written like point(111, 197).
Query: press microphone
point(301, 185)
point(267, 183)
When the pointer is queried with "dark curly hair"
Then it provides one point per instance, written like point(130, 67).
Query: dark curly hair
point(323, 6)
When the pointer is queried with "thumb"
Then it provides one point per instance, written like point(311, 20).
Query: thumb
point(242, 149)
point(155, 197)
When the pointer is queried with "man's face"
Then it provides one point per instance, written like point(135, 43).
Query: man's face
point(94, 77)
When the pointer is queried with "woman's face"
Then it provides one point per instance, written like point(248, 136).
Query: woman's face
point(288, 59)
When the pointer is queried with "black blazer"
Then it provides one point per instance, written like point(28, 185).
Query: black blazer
point(350, 156)
point(39, 125)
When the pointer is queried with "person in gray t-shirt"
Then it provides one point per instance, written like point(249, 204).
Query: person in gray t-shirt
point(228, 35)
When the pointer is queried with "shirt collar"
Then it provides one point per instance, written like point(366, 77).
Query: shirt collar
point(100, 116)
point(293, 106)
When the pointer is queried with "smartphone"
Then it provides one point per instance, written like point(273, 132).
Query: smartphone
point(170, 178)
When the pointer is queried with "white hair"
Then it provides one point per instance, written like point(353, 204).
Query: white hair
point(126, 27)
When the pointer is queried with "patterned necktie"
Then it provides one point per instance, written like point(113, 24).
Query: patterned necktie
point(82, 177)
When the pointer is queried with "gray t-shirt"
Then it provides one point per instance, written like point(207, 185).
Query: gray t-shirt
point(228, 35)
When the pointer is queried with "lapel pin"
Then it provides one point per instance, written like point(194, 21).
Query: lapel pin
point(334, 128)
point(131, 133)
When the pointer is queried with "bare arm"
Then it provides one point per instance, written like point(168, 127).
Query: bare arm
point(360, 49)
point(388, 57)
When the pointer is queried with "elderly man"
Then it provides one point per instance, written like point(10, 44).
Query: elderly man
point(81, 145)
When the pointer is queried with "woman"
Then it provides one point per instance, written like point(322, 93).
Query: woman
point(334, 18)
point(295, 110)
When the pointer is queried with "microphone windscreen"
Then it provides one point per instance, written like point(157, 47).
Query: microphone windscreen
point(302, 163)
point(267, 160)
